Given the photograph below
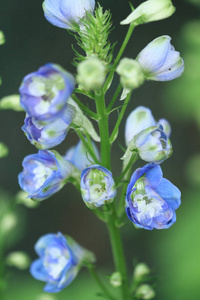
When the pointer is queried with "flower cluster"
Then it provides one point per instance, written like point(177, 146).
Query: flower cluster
point(49, 98)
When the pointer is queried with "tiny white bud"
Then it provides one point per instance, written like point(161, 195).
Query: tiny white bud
point(18, 259)
point(8, 222)
point(140, 271)
point(21, 198)
point(131, 73)
point(91, 73)
point(145, 291)
point(116, 279)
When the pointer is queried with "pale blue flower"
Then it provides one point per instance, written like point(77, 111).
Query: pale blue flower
point(79, 157)
point(64, 13)
point(44, 174)
point(44, 93)
point(160, 61)
point(46, 135)
point(97, 186)
point(151, 200)
point(60, 259)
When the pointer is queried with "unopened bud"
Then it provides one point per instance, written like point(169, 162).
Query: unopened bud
point(91, 73)
point(8, 222)
point(18, 259)
point(145, 291)
point(116, 279)
point(140, 271)
point(131, 73)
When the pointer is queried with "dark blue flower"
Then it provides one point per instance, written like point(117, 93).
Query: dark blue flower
point(46, 135)
point(97, 186)
point(151, 200)
point(60, 260)
point(64, 13)
point(44, 174)
point(44, 93)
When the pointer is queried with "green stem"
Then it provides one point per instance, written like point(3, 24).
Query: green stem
point(103, 129)
point(81, 136)
point(118, 253)
point(132, 160)
point(99, 282)
point(120, 117)
point(121, 51)
point(88, 94)
point(84, 108)
point(119, 88)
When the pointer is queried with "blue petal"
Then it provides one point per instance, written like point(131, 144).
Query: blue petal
point(38, 271)
point(169, 192)
point(154, 175)
point(53, 14)
point(49, 240)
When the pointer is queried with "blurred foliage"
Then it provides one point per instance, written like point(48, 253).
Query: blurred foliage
point(3, 150)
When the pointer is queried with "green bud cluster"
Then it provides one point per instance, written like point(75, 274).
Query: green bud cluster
point(93, 37)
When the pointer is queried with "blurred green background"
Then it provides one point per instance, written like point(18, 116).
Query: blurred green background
point(173, 254)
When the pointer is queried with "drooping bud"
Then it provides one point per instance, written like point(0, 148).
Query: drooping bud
point(18, 259)
point(116, 279)
point(97, 186)
point(141, 270)
point(145, 291)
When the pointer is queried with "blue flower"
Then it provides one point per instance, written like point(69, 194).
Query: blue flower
point(60, 259)
point(148, 137)
point(79, 157)
point(64, 13)
point(160, 61)
point(46, 135)
point(44, 93)
point(151, 200)
point(44, 174)
point(97, 186)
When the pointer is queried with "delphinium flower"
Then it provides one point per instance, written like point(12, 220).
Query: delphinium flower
point(160, 61)
point(146, 136)
point(44, 174)
point(151, 10)
point(66, 13)
point(78, 156)
point(44, 93)
point(46, 135)
point(151, 200)
point(60, 259)
point(97, 186)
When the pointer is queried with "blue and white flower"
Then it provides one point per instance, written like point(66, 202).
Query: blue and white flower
point(44, 93)
point(151, 200)
point(44, 174)
point(147, 137)
point(79, 157)
point(66, 13)
point(97, 186)
point(160, 61)
point(46, 135)
point(60, 259)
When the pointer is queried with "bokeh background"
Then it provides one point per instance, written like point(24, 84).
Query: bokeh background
point(173, 254)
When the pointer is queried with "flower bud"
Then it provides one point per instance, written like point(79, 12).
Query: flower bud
point(151, 200)
point(116, 279)
point(2, 38)
point(44, 93)
point(45, 297)
point(160, 61)
point(8, 222)
point(97, 186)
point(131, 73)
point(91, 73)
point(166, 126)
point(46, 135)
point(65, 13)
point(141, 270)
point(18, 259)
point(3, 150)
point(44, 174)
point(149, 11)
point(79, 157)
point(11, 102)
point(60, 259)
point(145, 291)
point(21, 198)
